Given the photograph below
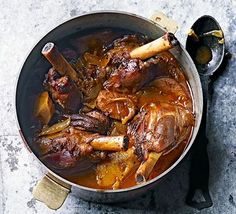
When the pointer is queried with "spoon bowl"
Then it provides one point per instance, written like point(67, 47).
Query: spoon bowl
point(205, 44)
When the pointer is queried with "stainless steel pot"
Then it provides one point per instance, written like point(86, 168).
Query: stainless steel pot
point(53, 189)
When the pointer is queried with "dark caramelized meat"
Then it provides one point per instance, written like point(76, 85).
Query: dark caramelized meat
point(130, 75)
point(71, 140)
point(104, 120)
point(63, 91)
point(127, 75)
point(93, 121)
point(77, 144)
point(126, 72)
point(133, 74)
point(125, 44)
point(69, 146)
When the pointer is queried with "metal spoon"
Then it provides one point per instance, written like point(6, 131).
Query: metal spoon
point(205, 44)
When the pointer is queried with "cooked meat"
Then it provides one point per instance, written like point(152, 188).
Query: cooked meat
point(165, 89)
point(74, 141)
point(133, 74)
point(159, 127)
point(126, 72)
point(93, 121)
point(124, 45)
point(79, 144)
point(63, 91)
point(98, 155)
point(124, 105)
point(117, 105)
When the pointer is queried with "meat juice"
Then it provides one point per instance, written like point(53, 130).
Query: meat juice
point(128, 92)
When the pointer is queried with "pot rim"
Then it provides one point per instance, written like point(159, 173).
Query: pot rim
point(138, 186)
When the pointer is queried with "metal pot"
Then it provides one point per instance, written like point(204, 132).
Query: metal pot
point(53, 189)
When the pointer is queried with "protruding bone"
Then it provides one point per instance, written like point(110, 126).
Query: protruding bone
point(110, 143)
point(159, 45)
point(58, 61)
point(146, 167)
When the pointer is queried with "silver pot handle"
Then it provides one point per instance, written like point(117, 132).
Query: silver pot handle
point(165, 22)
point(51, 191)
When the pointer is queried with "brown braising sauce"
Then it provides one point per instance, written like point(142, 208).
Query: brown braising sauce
point(132, 118)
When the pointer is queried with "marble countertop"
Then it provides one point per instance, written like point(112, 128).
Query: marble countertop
point(24, 22)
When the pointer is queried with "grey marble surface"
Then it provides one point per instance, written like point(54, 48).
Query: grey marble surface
point(22, 23)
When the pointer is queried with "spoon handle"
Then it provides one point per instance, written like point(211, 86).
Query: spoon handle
point(199, 168)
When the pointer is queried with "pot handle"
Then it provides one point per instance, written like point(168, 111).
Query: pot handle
point(51, 191)
point(165, 22)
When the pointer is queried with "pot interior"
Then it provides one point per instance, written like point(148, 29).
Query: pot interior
point(36, 66)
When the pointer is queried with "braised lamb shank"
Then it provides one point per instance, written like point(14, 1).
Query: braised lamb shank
point(128, 86)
